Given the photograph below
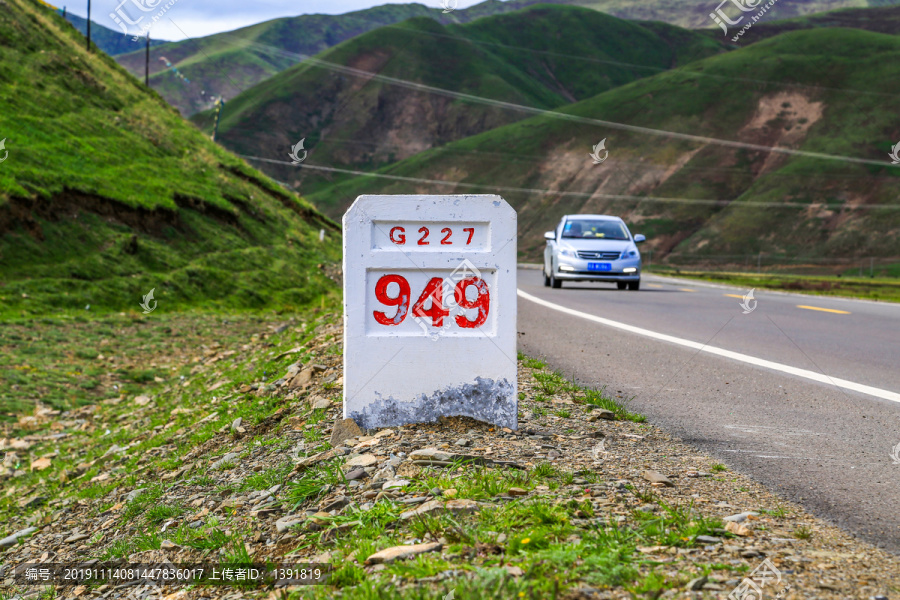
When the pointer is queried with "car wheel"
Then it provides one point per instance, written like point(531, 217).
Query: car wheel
point(554, 282)
point(621, 285)
point(635, 285)
point(546, 279)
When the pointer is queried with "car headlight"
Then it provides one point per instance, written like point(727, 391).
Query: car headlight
point(564, 252)
point(628, 254)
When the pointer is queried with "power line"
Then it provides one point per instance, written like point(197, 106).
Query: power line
point(574, 118)
point(545, 192)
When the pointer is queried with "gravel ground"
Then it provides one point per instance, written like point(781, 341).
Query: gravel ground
point(244, 484)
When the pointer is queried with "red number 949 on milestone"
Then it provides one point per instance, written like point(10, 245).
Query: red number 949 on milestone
point(427, 277)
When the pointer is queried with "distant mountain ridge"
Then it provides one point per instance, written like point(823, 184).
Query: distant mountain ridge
point(357, 104)
point(227, 64)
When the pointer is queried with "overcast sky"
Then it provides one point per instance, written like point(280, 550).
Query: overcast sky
point(196, 18)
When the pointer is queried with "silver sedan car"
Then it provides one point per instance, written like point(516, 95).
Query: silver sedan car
point(592, 248)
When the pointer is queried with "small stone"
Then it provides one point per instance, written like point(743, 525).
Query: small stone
point(321, 404)
point(227, 458)
point(501, 538)
point(343, 430)
point(363, 460)
point(554, 454)
point(514, 491)
point(236, 423)
point(463, 442)
point(697, 584)
point(737, 529)
point(358, 473)
point(602, 413)
point(168, 545)
point(453, 506)
point(395, 484)
point(708, 539)
point(740, 517)
point(389, 555)
point(450, 493)
point(431, 454)
point(514, 571)
point(77, 537)
point(436, 491)
point(12, 540)
point(654, 477)
point(285, 523)
point(133, 494)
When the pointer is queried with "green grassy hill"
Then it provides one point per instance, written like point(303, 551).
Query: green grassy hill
point(544, 56)
point(824, 90)
point(106, 193)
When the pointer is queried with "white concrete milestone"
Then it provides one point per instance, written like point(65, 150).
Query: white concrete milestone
point(430, 310)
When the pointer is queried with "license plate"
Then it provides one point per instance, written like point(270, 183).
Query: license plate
point(599, 266)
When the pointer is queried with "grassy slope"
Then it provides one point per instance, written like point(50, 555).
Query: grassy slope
point(711, 97)
point(108, 193)
point(543, 56)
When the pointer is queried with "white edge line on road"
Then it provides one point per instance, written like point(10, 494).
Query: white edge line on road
point(745, 358)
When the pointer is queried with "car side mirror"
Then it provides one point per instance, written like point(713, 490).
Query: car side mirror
point(639, 238)
point(550, 235)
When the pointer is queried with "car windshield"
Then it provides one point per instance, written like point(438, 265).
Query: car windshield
point(594, 229)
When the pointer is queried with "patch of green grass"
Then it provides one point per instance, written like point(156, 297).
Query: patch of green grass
point(803, 532)
point(533, 363)
point(619, 407)
point(313, 482)
point(718, 468)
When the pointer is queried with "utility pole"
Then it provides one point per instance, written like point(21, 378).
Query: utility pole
point(147, 62)
point(220, 103)
point(89, 27)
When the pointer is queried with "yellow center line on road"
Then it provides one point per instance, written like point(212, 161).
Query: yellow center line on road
point(733, 296)
point(654, 285)
point(828, 310)
point(685, 290)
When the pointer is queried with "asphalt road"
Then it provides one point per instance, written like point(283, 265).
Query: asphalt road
point(783, 422)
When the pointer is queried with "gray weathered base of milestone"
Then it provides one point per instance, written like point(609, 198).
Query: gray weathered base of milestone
point(485, 400)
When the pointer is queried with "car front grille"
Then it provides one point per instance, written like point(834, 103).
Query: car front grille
point(597, 254)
